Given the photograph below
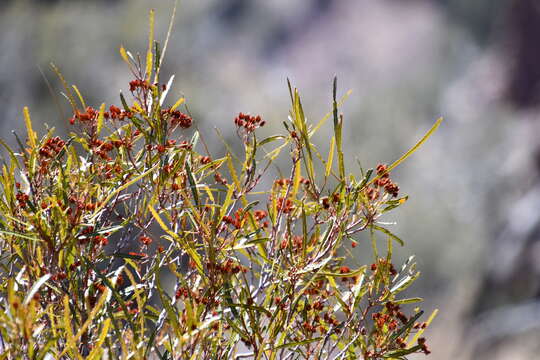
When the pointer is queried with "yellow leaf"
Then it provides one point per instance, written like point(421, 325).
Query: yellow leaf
point(79, 95)
point(188, 248)
point(149, 54)
point(124, 55)
point(178, 103)
point(31, 134)
point(100, 118)
point(330, 157)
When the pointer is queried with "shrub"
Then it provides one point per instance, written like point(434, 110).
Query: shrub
point(128, 240)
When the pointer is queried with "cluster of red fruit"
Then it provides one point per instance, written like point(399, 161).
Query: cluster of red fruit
point(385, 182)
point(285, 205)
point(248, 122)
point(178, 118)
point(52, 147)
point(91, 114)
point(22, 199)
point(238, 219)
point(145, 240)
point(228, 267)
point(138, 84)
point(240, 216)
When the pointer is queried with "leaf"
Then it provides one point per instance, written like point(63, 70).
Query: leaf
point(330, 157)
point(392, 204)
point(408, 301)
point(192, 184)
point(149, 54)
point(338, 126)
point(121, 188)
point(100, 118)
point(411, 151)
point(356, 272)
point(167, 88)
point(169, 32)
point(20, 235)
point(178, 103)
point(193, 254)
point(271, 139)
point(227, 202)
point(68, 93)
point(421, 331)
point(81, 99)
point(250, 307)
point(42, 280)
point(402, 352)
point(366, 178)
point(32, 138)
point(124, 55)
point(97, 350)
point(245, 243)
point(387, 232)
point(404, 283)
point(407, 326)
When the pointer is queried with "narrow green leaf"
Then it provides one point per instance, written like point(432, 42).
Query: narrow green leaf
point(411, 151)
point(408, 301)
point(407, 326)
point(330, 157)
point(192, 184)
point(389, 233)
point(403, 352)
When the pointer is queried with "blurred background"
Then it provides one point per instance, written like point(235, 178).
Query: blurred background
point(473, 218)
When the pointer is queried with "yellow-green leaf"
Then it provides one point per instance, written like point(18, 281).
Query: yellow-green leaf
point(32, 138)
point(100, 118)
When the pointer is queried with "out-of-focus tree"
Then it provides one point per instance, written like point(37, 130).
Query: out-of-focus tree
point(509, 291)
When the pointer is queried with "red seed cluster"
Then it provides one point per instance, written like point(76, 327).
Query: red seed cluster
point(138, 84)
point(228, 267)
point(178, 118)
point(51, 147)
point(220, 179)
point(87, 230)
point(205, 160)
point(185, 145)
point(260, 214)
point(102, 148)
point(237, 220)
point(423, 346)
point(59, 276)
point(195, 295)
point(282, 182)
point(248, 122)
point(145, 240)
point(100, 240)
point(91, 114)
point(75, 265)
point(22, 199)
point(116, 113)
point(385, 182)
point(285, 205)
